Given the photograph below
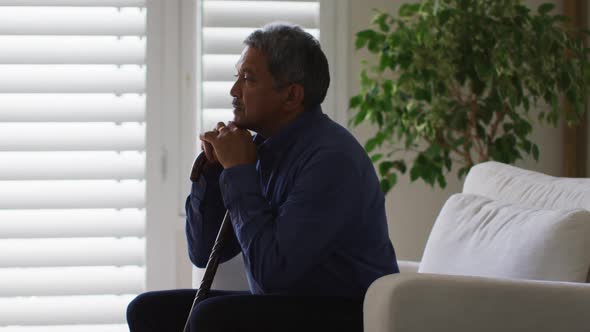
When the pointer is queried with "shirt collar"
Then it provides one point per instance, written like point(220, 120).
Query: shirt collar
point(289, 133)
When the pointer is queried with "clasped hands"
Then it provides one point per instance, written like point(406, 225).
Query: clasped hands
point(229, 145)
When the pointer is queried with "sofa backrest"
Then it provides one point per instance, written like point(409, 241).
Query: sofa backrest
point(511, 184)
point(508, 183)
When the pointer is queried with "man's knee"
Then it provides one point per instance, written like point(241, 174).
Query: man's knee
point(133, 308)
point(141, 306)
point(213, 315)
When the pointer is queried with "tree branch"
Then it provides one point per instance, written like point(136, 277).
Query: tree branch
point(499, 118)
point(473, 122)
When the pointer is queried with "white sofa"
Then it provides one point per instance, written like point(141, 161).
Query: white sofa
point(475, 290)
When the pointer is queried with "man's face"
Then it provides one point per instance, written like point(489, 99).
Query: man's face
point(257, 103)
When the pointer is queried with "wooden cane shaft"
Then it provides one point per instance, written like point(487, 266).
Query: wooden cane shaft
point(213, 262)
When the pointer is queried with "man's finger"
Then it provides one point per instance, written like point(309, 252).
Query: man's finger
point(209, 153)
point(209, 137)
point(219, 125)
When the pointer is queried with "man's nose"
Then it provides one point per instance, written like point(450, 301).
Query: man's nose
point(235, 89)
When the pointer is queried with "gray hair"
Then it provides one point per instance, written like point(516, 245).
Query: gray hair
point(294, 56)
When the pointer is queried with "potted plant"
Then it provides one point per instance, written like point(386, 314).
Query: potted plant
point(456, 82)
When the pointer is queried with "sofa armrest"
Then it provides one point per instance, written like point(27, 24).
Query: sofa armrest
point(429, 302)
point(408, 266)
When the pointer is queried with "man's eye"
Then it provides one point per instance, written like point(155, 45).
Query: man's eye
point(243, 77)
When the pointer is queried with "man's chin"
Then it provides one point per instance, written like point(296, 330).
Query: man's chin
point(239, 120)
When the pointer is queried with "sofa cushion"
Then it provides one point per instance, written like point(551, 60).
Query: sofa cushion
point(474, 235)
point(519, 186)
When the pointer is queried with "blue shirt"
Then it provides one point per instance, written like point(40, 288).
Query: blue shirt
point(308, 217)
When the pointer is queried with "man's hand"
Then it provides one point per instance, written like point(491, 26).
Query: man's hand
point(231, 146)
point(208, 148)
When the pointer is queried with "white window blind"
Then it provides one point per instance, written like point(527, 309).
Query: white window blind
point(72, 163)
point(225, 25)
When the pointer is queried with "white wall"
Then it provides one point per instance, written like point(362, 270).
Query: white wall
point(413, 207)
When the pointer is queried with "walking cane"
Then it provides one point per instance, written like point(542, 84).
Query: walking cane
point(225, 231)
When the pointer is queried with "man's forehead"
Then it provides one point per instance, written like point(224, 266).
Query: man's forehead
point(245, 68)
point(249, 60)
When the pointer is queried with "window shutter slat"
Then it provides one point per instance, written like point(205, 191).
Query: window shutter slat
point(70, 165)
point(57, 223)
point(69, 328)
point(30, 107)
point(229, 40)
point(62, 310)
point(69, 136)
point(224, 40)
point(71, 50)
point(71, 252)
point(72, 21)
point(93, 280)
point(74, 194)
point(72, 79)
point(216, 94)
point(255, 14)
point(77, 3)
point(219, 67)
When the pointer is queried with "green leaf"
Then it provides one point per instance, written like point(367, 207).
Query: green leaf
point(526, 104)
point(546, 8)
point(385, 185)
point(415, 173)
point(441, 181)
point(407, 9)
point(371, 144)
point(375, 158)
point(362, 37)
point(376, 43)
point(360, 117)
point(561, 18)
point(381, 21)
point(355, 101)
point(444, 16)
point(400, 165)
point(384, 167)
point(536, 152)
point(462, 172)
point(392, 179)
point(448, 163)
point(423, 94)
point(527, 146)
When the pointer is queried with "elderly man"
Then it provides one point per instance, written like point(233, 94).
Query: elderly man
point(304, 200)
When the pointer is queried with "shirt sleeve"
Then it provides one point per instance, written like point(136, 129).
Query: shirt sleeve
point(204, 214)
point(282, 244)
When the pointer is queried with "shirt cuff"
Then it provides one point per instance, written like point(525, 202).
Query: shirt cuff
point(238, 181)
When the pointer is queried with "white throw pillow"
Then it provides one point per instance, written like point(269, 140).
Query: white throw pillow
point(477, 236)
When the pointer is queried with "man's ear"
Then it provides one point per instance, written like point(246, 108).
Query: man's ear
point(294, 96)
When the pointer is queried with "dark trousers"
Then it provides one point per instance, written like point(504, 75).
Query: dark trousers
point(166, 311)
